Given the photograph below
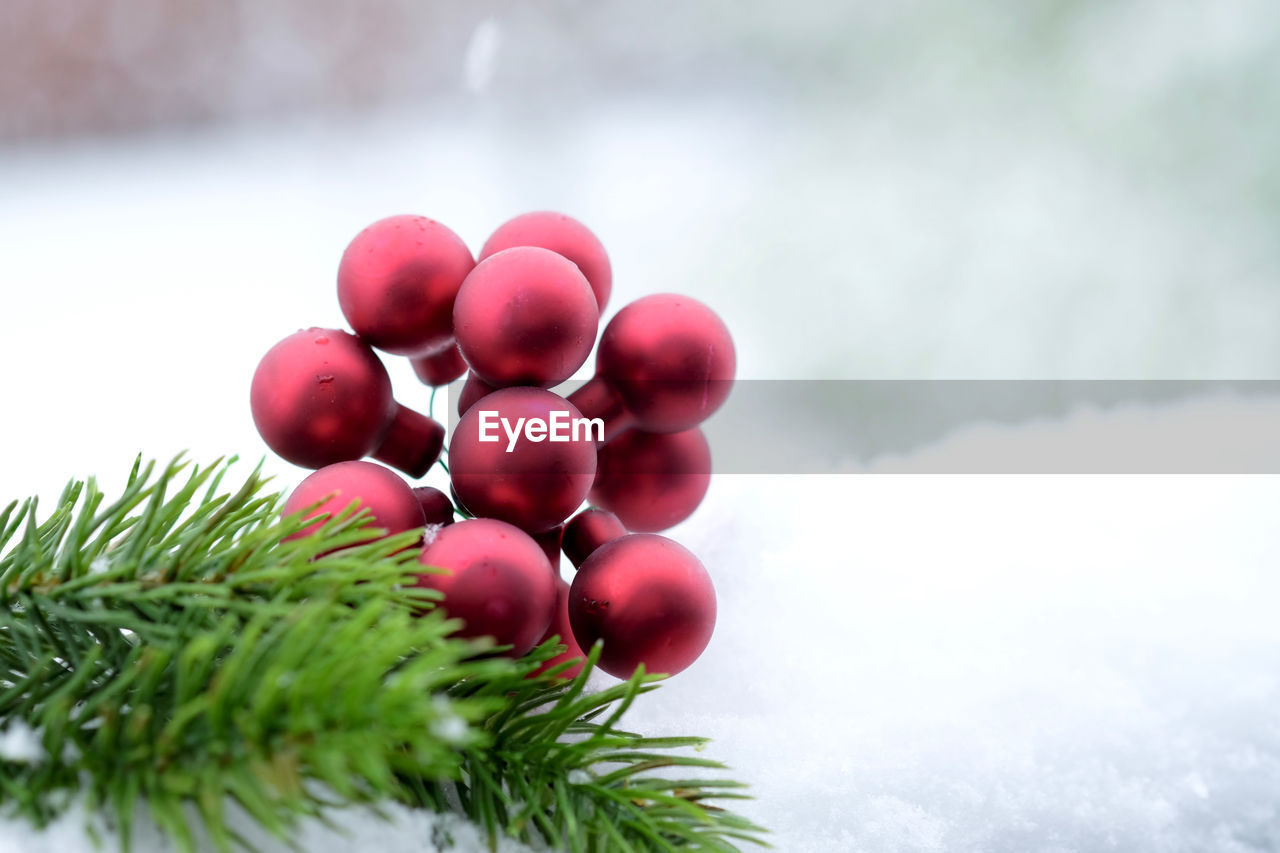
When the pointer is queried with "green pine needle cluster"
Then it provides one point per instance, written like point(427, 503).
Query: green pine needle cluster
point(176, 649)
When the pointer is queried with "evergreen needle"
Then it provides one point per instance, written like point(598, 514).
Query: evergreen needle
point(174, 647)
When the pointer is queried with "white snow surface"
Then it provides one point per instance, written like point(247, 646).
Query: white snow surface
point(903, 661)
point(932, 662)
point(396, 830)
point(21, 744)
point(1001, 663)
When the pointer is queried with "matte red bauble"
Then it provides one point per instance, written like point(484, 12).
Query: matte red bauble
point(388, 498)
point(653, 480)
point(563, 235)
point(435, 504)
point(532, 483)
point(397, 282)
point(587, 531)
point(549, 542)
point(497, 581)
point(473, 390)
point(561, 628)
point(440, 368)
point(648, 599)
point(321, 396)
point(525, 316)
point(665, 363)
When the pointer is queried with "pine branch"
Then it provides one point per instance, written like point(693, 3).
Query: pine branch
point(174, 647)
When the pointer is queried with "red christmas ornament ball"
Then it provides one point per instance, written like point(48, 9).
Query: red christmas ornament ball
point(665, 363)
point(653, 481)
point(533, 484)
point(549, 542)
point(561, 628)
point(649, 599)
point(473, 391)
point(435, 504)
point(390, 501)
point(497, 581)
point(587, 531)
point(563, 235)
point(322, 396)
point(525, 316)
point(397, 282)
point(440, 368)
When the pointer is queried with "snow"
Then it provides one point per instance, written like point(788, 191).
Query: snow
point(21, 744)
point(430, 532)
point(396, 830)
point(448, 726)
point(942, 662)
point(993, 663)
point(905, 659)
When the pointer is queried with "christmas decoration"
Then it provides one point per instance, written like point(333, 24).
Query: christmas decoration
point(322, 396)
point(563, 235)
point(436, 507)
point(190, 648)
point(534, 485)
point(391, 503)
point(567, 664)
point(665, 363)
point(587, 531)
point(473, 390)
point(496, 580)
point(525, 316)
point(648, 600)
point(653, 480)
point(397, 282)
point(522, 459)
point(179, 649)
point(441, 368)
point(549, 542)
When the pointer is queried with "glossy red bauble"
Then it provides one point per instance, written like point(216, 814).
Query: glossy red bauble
point(648, 599)
point(561, 628)
point(587, 531)
point(390, 501)
point(322, 396)
point(533, 484)
point(397, 282)
point(563, 235)
point(497, 581)
point(665, 363)
point(652, 480)
point(525, 316)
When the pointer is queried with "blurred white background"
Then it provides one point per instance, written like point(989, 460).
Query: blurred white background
point(984, 189)
point(977, 190)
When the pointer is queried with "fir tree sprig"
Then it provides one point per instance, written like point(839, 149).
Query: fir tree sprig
point(177, 648)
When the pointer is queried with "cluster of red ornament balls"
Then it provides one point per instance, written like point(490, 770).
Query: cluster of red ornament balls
point(522, 319)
